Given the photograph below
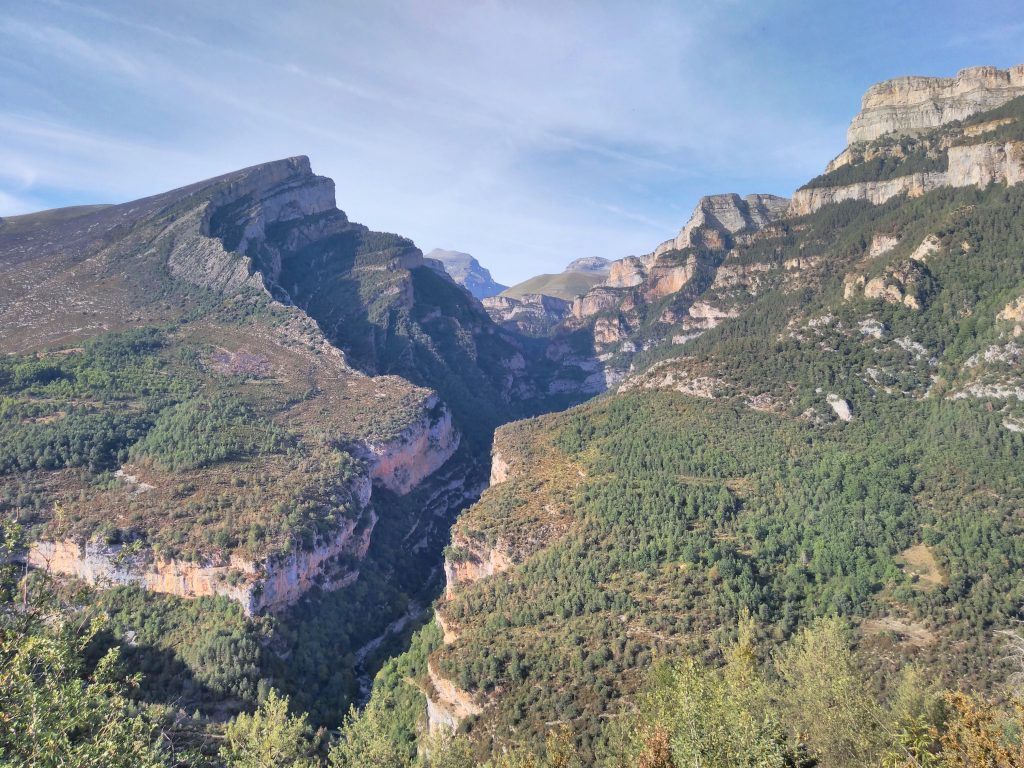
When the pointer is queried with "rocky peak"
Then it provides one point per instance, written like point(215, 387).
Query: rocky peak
point(910, 104)
point(717, 215)
point(467, 272)
point(594, 264)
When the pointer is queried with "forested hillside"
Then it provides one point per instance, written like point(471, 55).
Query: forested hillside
point(789, 534)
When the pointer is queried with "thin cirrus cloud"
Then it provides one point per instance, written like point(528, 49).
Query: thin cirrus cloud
point(527, 133)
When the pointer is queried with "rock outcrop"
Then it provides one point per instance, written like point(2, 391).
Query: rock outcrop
point(469, 561)
point(258, 586)
point(467, 272)
point(907, 105)
point(903, 283)
point(685, 263)
point(447, 704)
point(594, 264)
point(419, 451)
point(532, 314)
point(811, 199)
point(718, 214)
point(970, 165)
point(500, 469)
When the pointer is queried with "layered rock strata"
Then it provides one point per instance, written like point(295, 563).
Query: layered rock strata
point(913, 104)
point(977, 165)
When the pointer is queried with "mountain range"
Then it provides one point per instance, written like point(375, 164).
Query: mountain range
point(750, 498)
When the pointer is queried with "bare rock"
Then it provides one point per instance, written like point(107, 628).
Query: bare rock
point(912, 104)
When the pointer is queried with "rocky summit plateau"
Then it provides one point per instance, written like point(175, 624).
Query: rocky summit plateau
point(280, 489)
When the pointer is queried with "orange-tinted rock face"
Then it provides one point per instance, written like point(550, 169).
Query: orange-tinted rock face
point(417, 453)
point(448, 633)
point(279, 581)
point(257, 587)
point(596, 300)
point(107, 567)
point(666, 279)
point(476, 563)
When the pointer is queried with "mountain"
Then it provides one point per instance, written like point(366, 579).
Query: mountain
point(589, 264)
point(785, 531)
point(907, 105)
point(467, 272)
point(230, 390)
point(821, 409)
point(564, 285)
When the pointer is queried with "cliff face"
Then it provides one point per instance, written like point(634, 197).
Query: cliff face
point(447, 705)
point(473, 562)
point(421, 449)
point(719, 214)
point(268, 585)
point(533, 314)
point(809, 200)
point(912, 104)
point(467, 272)
point(971, 165)
point(399, 465)
point(681, 269)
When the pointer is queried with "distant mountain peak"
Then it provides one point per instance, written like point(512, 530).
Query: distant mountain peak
point(465, 270)
point(595, 264)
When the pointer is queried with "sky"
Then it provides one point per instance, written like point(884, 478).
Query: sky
point(528, 133)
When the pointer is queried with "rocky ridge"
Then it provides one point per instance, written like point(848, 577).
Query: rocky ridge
point(683, 268)
point(977, 165)
point(533, 314)
point(467, 272)
point(237, 236)
point(912, 104)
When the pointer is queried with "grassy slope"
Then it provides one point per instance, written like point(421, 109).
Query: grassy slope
point(565, 285)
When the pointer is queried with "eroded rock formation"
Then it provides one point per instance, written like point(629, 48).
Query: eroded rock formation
point(971, 165)
point(399, 465)
point(912, 104)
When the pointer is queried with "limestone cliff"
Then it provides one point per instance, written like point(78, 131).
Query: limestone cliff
point(469, 561)
point(421, 449)
point(683, 268)
point(718, 214)
point(447, 704)
point(532, 314)
point(399, 464)
point(913, 104)
point(809, 200)
point(969, 165)
point(268, 585)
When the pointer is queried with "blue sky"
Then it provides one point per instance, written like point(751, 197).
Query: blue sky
point(527, 133)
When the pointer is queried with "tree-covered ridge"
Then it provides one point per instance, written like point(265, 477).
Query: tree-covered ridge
point(691, 513)
point(794, 343)
point(165, 437)
point(723, 477)
point(809, 701)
